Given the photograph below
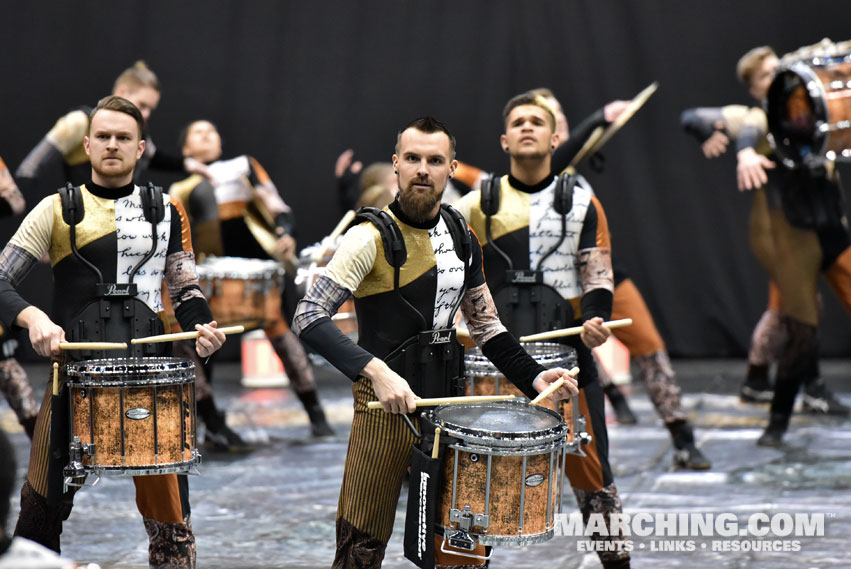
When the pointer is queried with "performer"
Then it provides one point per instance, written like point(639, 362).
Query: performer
point(225, 215)
point(534, 227)
point(790, 243)
point(14, 382)
point(107, 231)
point(642, 339)
point(406, 290)
point(61, 151)
point(774, 192)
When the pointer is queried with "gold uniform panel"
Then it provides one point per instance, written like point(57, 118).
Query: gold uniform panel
point(513, 212)
point(420, 260)
point(98, 221)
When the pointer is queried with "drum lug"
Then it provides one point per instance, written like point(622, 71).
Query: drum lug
point(466, 519)
point(582, 435)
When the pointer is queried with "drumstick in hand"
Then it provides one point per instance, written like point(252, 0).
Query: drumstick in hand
point(92, 346)
point(183, 335)
point(55, 378)
point(449, 400)
point(572, 331)
point(553, 386)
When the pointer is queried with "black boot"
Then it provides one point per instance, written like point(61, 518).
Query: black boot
point(757, 387)
point(40, 522)
point(686, 453)
point(623, 413)
point(218, 436)
point(773, 435)
point(319, 426)
point(819, 400)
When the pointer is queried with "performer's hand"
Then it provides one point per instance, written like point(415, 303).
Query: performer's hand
point(715, 145)
point(45, 335)
point(344, 164)
point(9, 191)
point(391, 389)
point(209, 339)
point(193, 166)
point(567, 390)
point(594, 333)
point(285, 246)
point(613, 110)
point(750, 170)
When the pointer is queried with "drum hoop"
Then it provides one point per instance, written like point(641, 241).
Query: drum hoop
point(544, 448)
point(517, 540)
point(532, 438)
point(239, 268)
point(154, 367)
point(167, 468)
point(560, 355)
point(125, 383)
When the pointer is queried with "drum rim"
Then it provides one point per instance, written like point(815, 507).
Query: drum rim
point(165, 468)
point(542, 440)
point(817, 96)
point(108, 370)
point(214, 267)
point(477, 365)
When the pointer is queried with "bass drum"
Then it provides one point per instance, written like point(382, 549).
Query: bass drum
point(809, 105)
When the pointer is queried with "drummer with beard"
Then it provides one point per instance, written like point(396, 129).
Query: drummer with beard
point(536, 224)
point(406, 289)
point(100, 236)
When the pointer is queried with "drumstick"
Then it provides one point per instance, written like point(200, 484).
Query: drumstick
point(449, 400)
point(573, 331)
point(55, 378)
point(326, 243)
point(92, 346)
point(184, 335)
point(436, 449)
point(553, 386)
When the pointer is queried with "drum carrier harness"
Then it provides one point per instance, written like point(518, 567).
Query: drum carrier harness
point(526, 304)
point(432, 361)
point(116, 315)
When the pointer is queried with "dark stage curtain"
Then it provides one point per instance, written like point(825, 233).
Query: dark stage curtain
point(295, 83)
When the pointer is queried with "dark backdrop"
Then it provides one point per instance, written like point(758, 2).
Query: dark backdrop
point(295, 83)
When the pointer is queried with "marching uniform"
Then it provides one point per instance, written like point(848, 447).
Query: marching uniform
point(13, 379)
point(116, 241)
point(797, 229)
point(237, 216)
point(567, 255)
point(406, 294)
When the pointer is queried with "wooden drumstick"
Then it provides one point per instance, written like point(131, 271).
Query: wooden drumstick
point(553, 386)
point(55, 378)
point(572, 331)
point(449, 400)
point(436, 449)
point(92, 346)
point(184, 335)
point(326, 243)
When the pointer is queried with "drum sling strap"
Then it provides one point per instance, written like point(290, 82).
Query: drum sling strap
point(432, 361)
point(116, 314)
point(525, 304)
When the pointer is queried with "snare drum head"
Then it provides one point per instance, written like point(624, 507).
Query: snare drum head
point(500, 423)
point(137, 370)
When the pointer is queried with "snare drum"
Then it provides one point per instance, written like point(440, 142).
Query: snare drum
point(502, 473)
point(809, 105)
point(242, 291)
point(133, 416)
point(484, 379)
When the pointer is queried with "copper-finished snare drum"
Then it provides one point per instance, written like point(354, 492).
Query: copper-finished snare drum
point(242, 291)
point(484, 379)
point(502, 475)
point(133, 416)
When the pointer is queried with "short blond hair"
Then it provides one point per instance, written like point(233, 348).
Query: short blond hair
point(750, 62)
point(136, 77)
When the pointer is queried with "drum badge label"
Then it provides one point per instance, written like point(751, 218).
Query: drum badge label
point(534, 480)
point(441, 337)
point(137, 414)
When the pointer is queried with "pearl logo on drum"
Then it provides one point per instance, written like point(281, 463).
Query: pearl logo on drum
point(535, 480)
point(137, 414)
